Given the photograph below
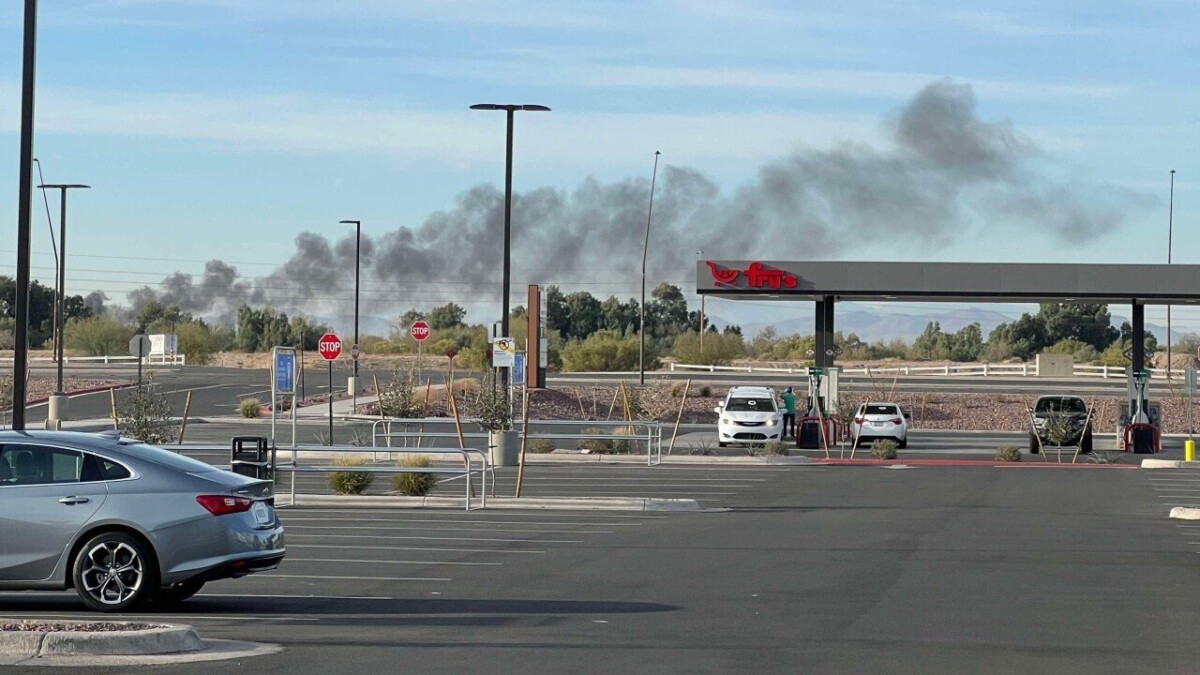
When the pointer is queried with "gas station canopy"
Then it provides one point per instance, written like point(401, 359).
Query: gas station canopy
point(949, 282)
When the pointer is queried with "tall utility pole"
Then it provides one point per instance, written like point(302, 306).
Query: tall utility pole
point(700, 256)
point(354, 348)
point(642, 308)
point(57, 409)
point(25, 188)
point(1170, 237)
point(510, 109)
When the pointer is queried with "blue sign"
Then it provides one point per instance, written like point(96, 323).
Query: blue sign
point(285, 372)
point(518, 372)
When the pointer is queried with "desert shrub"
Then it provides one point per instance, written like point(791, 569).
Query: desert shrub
point(719, 349)
point(6, 392)
point(677, 389)
point(706, 390)
point(1008, 453)
point(539, 446)
point(606, 446)
point(250, 407)
point(145, 414)
point(604, 351)
point(1081, 351)
point(1104, 457)
point(98, 337)
point(775, 449)
point(350, 482)
point(398, 397)
point(1059, 430)
point(414, 484)
point(883, 449)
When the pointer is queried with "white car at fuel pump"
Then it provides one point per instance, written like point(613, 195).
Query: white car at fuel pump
point(749, 416)
point(880, 420)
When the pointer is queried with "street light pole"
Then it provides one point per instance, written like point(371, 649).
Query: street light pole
point(24, 188)
point(58, 410)
point(642, 307)
point(357, 250)
point(511, 110)
point(1170, 237)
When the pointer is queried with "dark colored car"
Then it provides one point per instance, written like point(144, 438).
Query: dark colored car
point(1068, 413)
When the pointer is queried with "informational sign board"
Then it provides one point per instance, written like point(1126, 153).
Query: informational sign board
point(164, 345)
point(355, 352)
point(504, 352)
point(518, 377)
point(285, 371)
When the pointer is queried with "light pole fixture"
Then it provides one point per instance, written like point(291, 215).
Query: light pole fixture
point(510, 109)
point(58, 411)
point(24, 194)
point(1170, 237)
point(642, 307)
point(357, 250)
point(54, 337)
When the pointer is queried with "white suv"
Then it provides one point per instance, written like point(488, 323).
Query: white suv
point(749, 416)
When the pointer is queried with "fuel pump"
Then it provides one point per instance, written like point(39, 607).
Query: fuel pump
point(815, 430)
point(1139, 430)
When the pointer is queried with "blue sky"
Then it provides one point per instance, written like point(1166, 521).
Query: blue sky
point(224, 128)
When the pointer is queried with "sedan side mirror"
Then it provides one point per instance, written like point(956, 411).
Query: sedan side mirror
point(717, 410)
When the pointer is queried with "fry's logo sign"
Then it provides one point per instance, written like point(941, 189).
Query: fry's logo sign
point(757, 276)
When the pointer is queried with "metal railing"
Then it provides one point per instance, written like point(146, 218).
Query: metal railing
point(466, 471)
point(947, 370)
point(648, 431)
point(163, 359)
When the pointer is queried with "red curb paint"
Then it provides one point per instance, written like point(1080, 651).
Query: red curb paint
point(965, 462)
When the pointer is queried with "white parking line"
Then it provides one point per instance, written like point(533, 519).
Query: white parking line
point(303, 519)
point(392, 562)
point(298, 597)
point(389, 528)
point(604, 485)
point(623, 478)
point(84, 616)
point(407, 537)
point(1178, 496)
point(350, 578)
point(431, 549)
point(451, 514)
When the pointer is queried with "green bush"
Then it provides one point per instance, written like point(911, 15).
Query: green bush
point(414, 484)
point(98, 337)
point(539, 446)
point(1081, 351)
point(718, 349)
point(145, 414)
point(603, 351)
point(350, 482)
point(1008, 453)
point(199, 341)
point(250, 407)
point(884, 449)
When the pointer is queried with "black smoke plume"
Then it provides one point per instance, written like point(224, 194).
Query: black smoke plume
point(944, 173)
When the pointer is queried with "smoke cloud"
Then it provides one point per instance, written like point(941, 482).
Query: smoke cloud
point(943, 169)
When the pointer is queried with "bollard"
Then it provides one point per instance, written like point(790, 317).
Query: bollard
point(1189, 450)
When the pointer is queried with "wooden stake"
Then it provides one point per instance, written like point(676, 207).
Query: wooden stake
point(579, 397)
point(458, 430)
point(1086, 424)
point(824, 436)
point(686, 386)
point(187, 407)
point(524, 440)
point(424, 409)
point(112, 398)
point(625, 403)
point(612, 406)
point(378, 394)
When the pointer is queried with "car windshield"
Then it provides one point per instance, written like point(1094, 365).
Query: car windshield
point(1061, 405)
point(881, 410)
point(167, 458)
point(750, 405)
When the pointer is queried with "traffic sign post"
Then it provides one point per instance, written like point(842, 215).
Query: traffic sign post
point(420, 332)
point(139, 346)
point(330, 347)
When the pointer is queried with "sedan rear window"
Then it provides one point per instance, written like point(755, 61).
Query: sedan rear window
point(882, 410)
point(1061, 405)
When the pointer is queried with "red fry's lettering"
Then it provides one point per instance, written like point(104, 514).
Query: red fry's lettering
point(757, 275)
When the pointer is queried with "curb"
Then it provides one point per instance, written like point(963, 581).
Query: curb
point(1162, 464)
point(152, 641)
point(1185, 513)
point(964, 462)
point(539, 503)
point(577, 458)
point(80, 392)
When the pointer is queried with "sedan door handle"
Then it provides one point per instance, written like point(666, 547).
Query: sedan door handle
point(74, 500)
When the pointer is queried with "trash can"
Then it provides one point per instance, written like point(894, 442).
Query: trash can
point(809, 434)
point(249, 456)
point(505, 448)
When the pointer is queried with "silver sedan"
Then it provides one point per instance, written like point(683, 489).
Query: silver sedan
point(125, 523)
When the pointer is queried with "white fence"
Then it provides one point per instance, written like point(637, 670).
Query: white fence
point(946, 370)
point(164, 360)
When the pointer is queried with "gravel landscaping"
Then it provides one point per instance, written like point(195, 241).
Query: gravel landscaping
point(73, 626)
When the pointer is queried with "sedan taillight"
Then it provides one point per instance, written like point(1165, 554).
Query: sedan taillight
point(897, 420)
point(220, 505)
point(859, 420)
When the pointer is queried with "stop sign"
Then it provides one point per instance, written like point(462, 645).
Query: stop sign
point(330, 347)
point(419, 331)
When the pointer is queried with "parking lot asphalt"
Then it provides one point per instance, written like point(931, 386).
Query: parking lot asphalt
point(1021, 569)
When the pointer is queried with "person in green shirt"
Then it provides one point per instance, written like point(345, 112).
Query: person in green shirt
point(789, 413)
